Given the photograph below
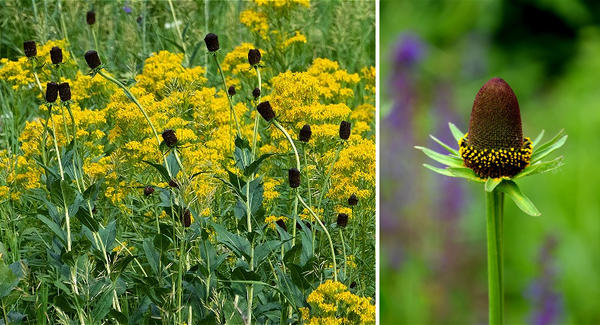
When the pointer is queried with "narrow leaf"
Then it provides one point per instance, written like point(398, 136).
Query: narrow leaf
point(511, 189)
point(491, 184)
point(443, 159)
point(538, 139)
point(447, 147)
point(456, 133)
point(538, 155)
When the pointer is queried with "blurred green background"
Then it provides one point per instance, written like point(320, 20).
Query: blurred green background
point(435, 55)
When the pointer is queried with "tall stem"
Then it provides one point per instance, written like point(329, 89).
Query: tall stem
point(237, 124)
point(176, 23)
point(494, 210)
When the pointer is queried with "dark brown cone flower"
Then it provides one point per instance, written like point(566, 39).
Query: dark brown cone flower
point(254, 57)
point(170, 138)
point(212, 42)
point(342, 220)
point(148, 190)
point(345, 130)
point(186, 219)
point(266, 111)
point(64, 90)
point(90, 17)
point(56, 55)
point(30, 49)
point(305, 133)
point(173, 183)
point(353, 285)
point(281, 224)
point(231, 91)
point(494, 146)
point(51, 92)
point(352, 200)
point(256, 93)
point(92, 59)
point(294, 177)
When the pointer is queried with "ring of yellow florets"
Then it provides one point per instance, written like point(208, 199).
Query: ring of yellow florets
point(495, 163)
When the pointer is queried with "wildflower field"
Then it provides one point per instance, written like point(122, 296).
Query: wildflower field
point(187, 162)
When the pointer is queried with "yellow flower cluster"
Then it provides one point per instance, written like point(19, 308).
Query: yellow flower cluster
point(283, 3)
point(354, 172)
point(271, 221)
point(332, 303)
point(297, 38)
point(256, 22)
point(163, 70)
point(236, 64)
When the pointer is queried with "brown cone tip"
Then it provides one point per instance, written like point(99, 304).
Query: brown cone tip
point(495, 118)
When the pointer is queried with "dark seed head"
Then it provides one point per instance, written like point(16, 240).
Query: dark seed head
point(173, 183)
point(148, 190)
point(353, 285)
point(495, 118)
point(56, 55)
point(92, 59)
point(305, 133)
point(30, 49)
point(90, 17)
point(170, 138)
point(256, 93)
point(186, 219)
point(51, 92)
point(212, 42)
point(342, 220)
point(231, 90)
point(281, 224)
point(64, 90)
point(254, 57)
point(266, 111)
point(352, 200)
point(345, 130)
point(294, 177)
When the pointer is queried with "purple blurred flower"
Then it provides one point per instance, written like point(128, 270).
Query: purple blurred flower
point(409, 50)
point(127, 9)
point(547, 302)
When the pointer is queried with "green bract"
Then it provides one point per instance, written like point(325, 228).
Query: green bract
point(455, 167)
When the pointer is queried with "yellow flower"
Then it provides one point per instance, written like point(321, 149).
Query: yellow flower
point(332, 302)
point(297, 38)
point(256, 22)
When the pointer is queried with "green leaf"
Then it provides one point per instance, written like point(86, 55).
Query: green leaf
point(538, 139)
point(549, 143)
point(465, 172)
point(102, 306)
point(161, 169)
point(83, 215)
point(441, 171)
point(491, 184)
point(54, 227)
point(255, 164)
point(511, 189)
point(9, 277)
point(456, 133)
point(151, 254)
point(262, 251)
point(447, 147)
point(443, 159)
point(541, 167)
point(173, 165)
point(538, 155)
point(238, 244)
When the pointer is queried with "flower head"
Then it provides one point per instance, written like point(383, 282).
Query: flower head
point(90, 17)
point(29, 48)
point(148, 190)
point(254, 57)
point(170, 138)
point(64, 90)
point(56, 55)
point(352, 200)
point(342, 220)
point(345, 130)
point(231, 90)
point(92, 59)
point(212, 42)
point(305, 133)
point(51, 92)
point(186, 218)
point(281, 224)
point(294, 177)
point(256, 93)
point(266, 111)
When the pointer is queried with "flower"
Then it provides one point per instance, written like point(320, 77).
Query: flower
point(256, 93)
point(187, 219)
point(342, 220)
point(64, 90)
point(333, 303)
point(345, 130)
point(254, 57)
point(29, 48)
point(305, 133)
point(294, 177)
point(92, 59)
point(231, 90)
point(266, 111)
point(170, 138)
point(212, 42)
point(90, 17)
point(148, 190)
point(297, 38)
point(51, 92)
point(56, 55)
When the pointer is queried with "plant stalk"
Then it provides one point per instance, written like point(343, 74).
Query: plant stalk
point(494, 211)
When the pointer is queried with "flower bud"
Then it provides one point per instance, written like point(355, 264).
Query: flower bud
point(342, 220)
point(305, 133)
point(353, 285)
point(281, 224)
point(212, 42)
point(345, 130)
point(92, 59)
point(186, 219)
point(231, 90)
point(352, 200)
point(51, 92)
point(254, 57)
point(266, 111)
point(170, 138)
point(173, 183)
point(148, 190)
point(64, 90)
point(294, 177)
point(56, 55)
point(29, 48)
point(90, 17)
point(256, 93)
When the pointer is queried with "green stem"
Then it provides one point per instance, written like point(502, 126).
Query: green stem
point(345, 256)
point(328, 176)
point(326, 233)
point(494, 211)
point(237, 124)
point(177, 28)
point(256, 116)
